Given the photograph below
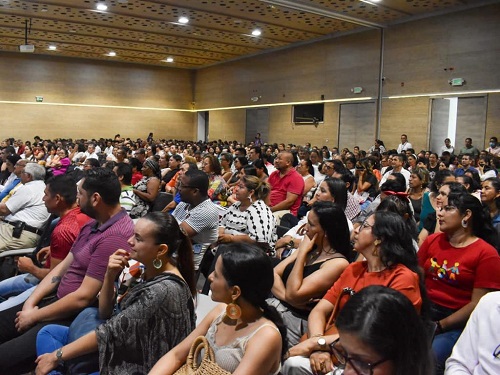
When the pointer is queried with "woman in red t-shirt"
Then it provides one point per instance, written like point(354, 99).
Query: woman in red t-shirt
point(460, 266)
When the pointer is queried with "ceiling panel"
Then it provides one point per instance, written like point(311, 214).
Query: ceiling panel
point(147, 32)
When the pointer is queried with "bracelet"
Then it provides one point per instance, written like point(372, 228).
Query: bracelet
point(439, 327)
point(316, 335)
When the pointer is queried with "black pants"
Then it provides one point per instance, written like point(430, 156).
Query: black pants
point(18, 350)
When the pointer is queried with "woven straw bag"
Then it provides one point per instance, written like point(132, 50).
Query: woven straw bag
point(208, 366)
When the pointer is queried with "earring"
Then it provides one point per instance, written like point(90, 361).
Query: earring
point(157, 263)
point(233, 311)
point(375, 249)
point(464, 223)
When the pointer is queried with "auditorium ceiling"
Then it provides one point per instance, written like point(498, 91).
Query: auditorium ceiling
point(156, 32)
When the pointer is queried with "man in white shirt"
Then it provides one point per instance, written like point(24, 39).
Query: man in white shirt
point(90, 153)
point(25, 212)
point(404, 145)
point(397, 167)
point(109, 148)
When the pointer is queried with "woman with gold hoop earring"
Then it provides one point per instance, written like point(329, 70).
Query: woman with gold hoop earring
point(246, 334)
point(141, 323)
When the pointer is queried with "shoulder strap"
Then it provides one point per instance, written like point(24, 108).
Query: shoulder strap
point(258, 329)
point(335, 256)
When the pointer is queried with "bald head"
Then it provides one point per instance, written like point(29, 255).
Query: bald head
point(284, 161)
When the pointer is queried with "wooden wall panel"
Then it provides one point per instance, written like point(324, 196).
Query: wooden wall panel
point(227, 125)
point(409, 116)
point(77, 82)
point(416, 53)
point(492, 118)
point(25, 121)
point(330, 68)
point(281, 128)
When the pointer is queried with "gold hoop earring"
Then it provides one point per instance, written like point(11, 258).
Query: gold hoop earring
point(157, 263)
point(376, 243)
point(233, 311)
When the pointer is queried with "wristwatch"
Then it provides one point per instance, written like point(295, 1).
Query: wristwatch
point(59, 354)
point(321, 342)
point(291, 244)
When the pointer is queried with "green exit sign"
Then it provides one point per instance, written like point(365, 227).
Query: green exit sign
point(457, 82)
point(39, 99)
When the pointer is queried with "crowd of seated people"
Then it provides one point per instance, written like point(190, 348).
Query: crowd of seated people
point(272, 227)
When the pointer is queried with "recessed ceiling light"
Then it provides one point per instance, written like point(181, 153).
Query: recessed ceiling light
point(101, 6)
point(168, 59)
point(112, 53)
point(52, 47)
point(256, 32)
point(183, 20)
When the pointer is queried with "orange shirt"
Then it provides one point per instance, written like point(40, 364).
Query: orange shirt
point(357, 277)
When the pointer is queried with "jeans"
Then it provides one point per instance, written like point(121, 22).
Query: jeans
point(52, 337)
point(15, 290)
point(442, 345)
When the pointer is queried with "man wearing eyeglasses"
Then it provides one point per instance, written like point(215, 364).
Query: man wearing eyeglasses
point(25, 212)
point(197, 216)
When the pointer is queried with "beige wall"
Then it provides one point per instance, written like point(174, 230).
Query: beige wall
point(415, 57)
point(72, 83)
point(493, 117)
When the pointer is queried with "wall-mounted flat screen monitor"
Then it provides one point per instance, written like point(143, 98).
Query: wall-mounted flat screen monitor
point(308, 113)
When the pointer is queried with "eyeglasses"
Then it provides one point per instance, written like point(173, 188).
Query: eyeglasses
point(181, 186)
point(329, 167)
point(365, 225)
point(359, 366)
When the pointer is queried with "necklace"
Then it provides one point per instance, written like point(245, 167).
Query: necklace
point(314, 255)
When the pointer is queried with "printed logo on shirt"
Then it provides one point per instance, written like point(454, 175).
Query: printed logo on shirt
point(444, 271)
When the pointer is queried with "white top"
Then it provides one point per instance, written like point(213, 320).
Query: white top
point(78, 156)
point(204, 219)
point(27, 205)
point(474, 352)
point(108, 150)
point(318, 176)
point(257, 221)
point(403, 171)
point(404, 146)
point(450, 149)
point(90, 156)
